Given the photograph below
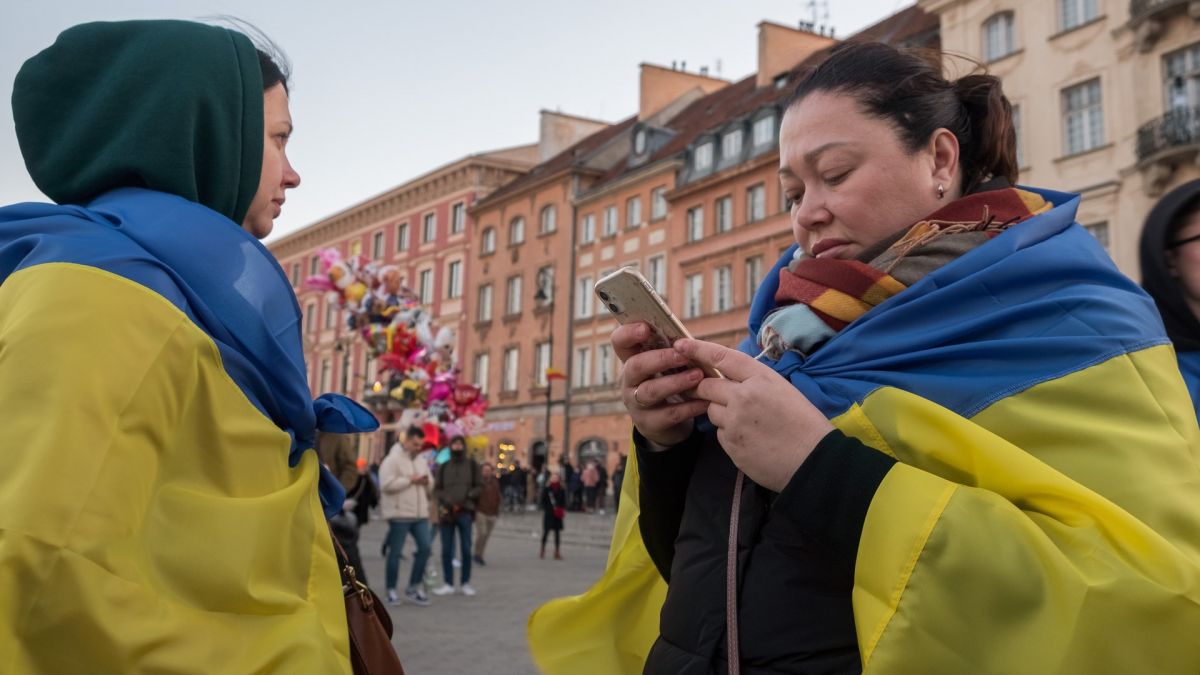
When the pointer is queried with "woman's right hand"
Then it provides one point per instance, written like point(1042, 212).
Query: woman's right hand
point(645, 396)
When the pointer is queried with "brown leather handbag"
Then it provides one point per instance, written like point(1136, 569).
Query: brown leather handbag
point(371, 650)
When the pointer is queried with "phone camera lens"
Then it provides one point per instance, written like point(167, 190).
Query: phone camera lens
point(612, 307)
point(603, 296)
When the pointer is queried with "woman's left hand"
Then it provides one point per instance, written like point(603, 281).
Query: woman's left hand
point(766, 425)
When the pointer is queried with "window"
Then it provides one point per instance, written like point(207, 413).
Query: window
point(454, 279)
point(1072, 13)
point(583, 298)
point(296, 274)
point(703, 156)
point(587, 229)
point(1083, 117)
point(402, 237)
point(999, 39)
point(756, 203)
point(545, 281)
point(541, 363)
point(764, 130)
point(488, 241)
point(693, 290)
point(345, 378)
point(656, 273)
point(310, 317)
point(610, 222)
point(330, 314)
point(509, 377)
point(314, 265)
point(481, 372)
point(722, 288)
point(377, 246)
point(484, 311)
point(633, 212)
point(724, 214)
point(658, 203)
point(695, 223)
point(639, 142)
point(582, 368)
point(1100, 232)
point(1181, 88)
point(1016, 121)
point(323, 383)
point(549, 219)
point(516, 231)
point(604, 363)
point(425, 286)
point(513, 303)
point(429, 228)
point(731, 145)
point(754, 275)
point(458, 218)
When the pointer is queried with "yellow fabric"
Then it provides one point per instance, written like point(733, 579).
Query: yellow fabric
point(148, 519)
point(1057, 531)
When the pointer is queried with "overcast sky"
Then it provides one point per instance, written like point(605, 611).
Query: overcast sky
point(386, 91)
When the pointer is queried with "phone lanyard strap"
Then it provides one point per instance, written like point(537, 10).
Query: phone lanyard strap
point(731, 609)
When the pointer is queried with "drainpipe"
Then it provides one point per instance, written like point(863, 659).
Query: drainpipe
point(571, 365)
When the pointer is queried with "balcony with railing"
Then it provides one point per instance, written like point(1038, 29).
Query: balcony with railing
point(1147, 18)
point(1167, 142)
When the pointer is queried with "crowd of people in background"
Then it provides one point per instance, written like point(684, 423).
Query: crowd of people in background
point(426, 493)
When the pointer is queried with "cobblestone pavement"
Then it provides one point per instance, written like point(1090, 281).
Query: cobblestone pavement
point(486, 633)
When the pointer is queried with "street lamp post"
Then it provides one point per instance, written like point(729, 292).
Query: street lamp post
point(545, 294)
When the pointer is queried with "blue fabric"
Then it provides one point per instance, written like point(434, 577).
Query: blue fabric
point(462, 523)
point(1039, 301)
point(213, 271)
point(398, 531)
point(1189, 367)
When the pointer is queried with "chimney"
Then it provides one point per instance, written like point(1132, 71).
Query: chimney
point(659, 86)
point(781, 48)
point(558, 131)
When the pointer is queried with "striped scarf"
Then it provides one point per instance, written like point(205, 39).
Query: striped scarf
point(818, 297)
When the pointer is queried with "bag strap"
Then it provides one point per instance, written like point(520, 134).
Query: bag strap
point(733, 658)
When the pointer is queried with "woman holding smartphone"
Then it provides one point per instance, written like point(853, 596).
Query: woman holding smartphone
point(963, 446)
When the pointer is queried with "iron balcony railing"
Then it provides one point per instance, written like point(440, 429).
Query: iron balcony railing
point(1178, 128)
point(1142, 9)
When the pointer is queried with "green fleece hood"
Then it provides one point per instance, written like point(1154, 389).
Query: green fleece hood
point(173, 106)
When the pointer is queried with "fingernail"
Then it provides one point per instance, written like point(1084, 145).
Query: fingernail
point(695, 376)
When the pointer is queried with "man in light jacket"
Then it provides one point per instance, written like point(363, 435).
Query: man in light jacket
point(404, 481)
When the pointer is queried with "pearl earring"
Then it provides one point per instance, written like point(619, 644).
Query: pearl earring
point(941, 191)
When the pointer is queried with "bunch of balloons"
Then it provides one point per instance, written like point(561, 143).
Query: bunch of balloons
point(417, 365)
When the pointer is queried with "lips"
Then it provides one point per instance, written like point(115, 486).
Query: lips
point(827, 248)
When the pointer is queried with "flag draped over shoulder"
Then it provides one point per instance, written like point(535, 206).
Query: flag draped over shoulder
point(1044, 515)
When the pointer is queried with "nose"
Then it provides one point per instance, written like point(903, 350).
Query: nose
point(291, 179)
point(809, 214)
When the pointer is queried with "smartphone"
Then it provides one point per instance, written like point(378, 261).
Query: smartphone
point(631, 299)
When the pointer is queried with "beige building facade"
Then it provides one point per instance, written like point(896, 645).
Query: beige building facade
point(1106, 95)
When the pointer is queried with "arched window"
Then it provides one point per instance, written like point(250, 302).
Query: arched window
point(549, 219)
point(592, 450)
point(516, 231)
point(487, 242)
point(999, 36)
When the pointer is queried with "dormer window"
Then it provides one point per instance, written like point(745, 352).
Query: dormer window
point(764, 130)
point(731, 144)
point(703, 156)
point(639, 142)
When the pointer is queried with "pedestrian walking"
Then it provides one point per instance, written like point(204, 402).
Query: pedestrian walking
point(618, 481)
point(162, 507)
point(590, 478)
point(404, 482)
point(487, 512)
point(553, 500)
point(602, 486)
point(456, 490)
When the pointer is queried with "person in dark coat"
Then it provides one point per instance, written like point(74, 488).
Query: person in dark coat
point(554, 499)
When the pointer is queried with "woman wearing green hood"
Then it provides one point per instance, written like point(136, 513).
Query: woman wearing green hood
point(161, 509)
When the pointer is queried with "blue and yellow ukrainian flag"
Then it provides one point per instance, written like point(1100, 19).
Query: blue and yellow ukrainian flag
point(1044, 514)
point(159, 507)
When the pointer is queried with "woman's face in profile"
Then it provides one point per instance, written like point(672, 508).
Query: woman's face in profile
point(849, 177)
point(277, 172)
point(1185, 260)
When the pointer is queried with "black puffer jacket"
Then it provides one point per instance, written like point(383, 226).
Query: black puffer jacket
point(794, 582)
